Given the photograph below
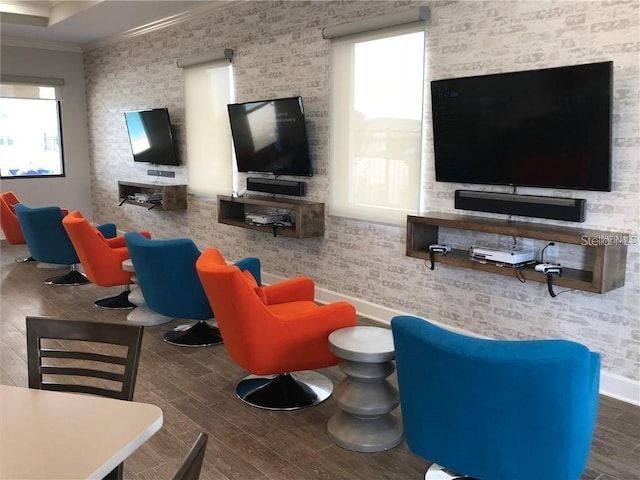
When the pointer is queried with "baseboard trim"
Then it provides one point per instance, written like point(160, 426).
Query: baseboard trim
point(620, 388)
point(611, 384)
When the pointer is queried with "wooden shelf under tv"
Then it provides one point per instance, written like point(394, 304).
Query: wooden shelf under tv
point(607, 263)
point(174, 196)
point(308, 216)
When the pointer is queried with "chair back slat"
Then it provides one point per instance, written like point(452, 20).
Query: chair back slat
point(82, 372)
point(77, 388)
point(96, 357)
point(78, 370)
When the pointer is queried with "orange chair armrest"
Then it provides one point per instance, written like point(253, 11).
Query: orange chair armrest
point(116, 242)
point(292, 290)
point(121, 254)
point(325, 318)
point(330, 317)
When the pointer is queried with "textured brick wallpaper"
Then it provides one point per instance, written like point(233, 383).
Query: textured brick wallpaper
point(279, 51)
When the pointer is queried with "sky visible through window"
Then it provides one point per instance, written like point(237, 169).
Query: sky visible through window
point(388, 80)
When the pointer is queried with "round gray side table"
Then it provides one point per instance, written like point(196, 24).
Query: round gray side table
point(142, 314)
point(365, 397)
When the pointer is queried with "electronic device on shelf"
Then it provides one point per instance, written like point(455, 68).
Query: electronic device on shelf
point(516, 256)
point(539, 128)
point(151, 136)
point(270, 136)
point(437, 248)
point(263, 219)
point(549, 268)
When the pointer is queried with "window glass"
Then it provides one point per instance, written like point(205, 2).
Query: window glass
point(208, 90)
point(376, 124)
point(30, 138)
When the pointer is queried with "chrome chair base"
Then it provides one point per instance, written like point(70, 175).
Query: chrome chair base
point(116, 302)
point(199, 334)
point(438, 472)
point(28, 259)
point(287, 391)
point(73, 277)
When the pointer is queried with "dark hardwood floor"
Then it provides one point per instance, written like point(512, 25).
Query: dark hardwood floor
point(195, 387)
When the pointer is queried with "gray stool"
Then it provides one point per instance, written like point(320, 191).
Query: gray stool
point(142, 314)
point(365, 397)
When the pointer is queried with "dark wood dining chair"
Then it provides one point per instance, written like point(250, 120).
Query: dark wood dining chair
point(85, 357)
point(192, 464)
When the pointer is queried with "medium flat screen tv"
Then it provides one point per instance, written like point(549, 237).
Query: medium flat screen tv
point(270, 136)
point(151, 137)
point(539, 128)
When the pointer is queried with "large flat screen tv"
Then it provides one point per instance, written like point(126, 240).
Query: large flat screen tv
point(539, 128)
point(151, 136)
point(270, 136)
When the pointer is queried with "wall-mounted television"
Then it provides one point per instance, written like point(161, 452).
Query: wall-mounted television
point(151, 136)
point(539, 128)
point(270, 136)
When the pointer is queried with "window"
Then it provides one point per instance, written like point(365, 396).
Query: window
point(208, 90)
point(30, 130)
point(376, 124)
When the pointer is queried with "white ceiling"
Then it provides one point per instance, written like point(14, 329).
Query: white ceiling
point(85, 23)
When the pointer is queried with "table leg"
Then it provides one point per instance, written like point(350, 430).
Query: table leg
point(366, 399)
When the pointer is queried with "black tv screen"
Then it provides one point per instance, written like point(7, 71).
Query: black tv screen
point(539, 128)
point(151, 137)
point(270, 136)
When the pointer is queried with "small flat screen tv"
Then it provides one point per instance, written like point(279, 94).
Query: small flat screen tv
point(151, 136)
point(270, 136)
point(539, 128)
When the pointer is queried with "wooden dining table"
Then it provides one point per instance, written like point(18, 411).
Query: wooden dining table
point(60, 435)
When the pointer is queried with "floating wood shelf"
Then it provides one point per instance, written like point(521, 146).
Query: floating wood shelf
point(173, 197)
point(606, 270)
point(308, 217)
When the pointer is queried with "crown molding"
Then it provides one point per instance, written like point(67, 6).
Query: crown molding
point(9, 41)
point(161, 24)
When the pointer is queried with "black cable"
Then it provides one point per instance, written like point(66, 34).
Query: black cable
point(542, 253)
point(520, 275)
point(550, 284)
point(432, 257)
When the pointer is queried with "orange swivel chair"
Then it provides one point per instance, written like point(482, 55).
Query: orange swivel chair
point(101, 259)
point(275, 332)
point(10, 224)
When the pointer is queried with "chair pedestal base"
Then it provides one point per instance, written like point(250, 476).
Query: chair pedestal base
point(143, 315)
point(288, 391)
point(116, 302)
point(200, 334)
point(28, 259)
point(73, 277)
point(437, 472)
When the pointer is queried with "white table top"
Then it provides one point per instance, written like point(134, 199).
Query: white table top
point(59, 435)
point(362, 344)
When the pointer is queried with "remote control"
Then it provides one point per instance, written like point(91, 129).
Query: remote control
point(437, 248)
point(548, 268)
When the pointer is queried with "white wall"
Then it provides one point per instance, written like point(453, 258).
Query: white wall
point(74, 190)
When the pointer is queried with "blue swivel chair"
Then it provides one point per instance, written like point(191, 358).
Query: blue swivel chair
point(48, 241)
point(166, 273)
point(495, 409)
